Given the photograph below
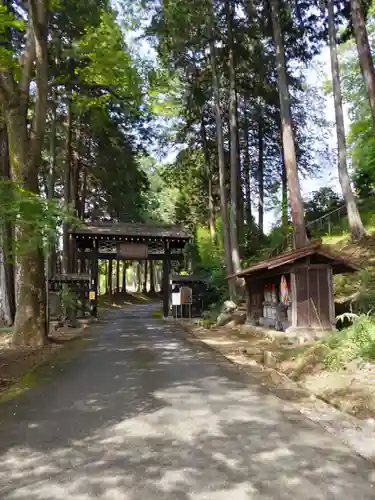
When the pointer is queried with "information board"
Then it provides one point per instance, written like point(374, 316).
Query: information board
point(176, 299)
point(186, 295)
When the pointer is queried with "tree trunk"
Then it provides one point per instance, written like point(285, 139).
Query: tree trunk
point(364, 53)
point(240, 198)
point(139, 277)
point(246, 161)
point(25, 146)
point(110, 277)
point(52, 257)
point(105, 264)
point(221, 159)
point(356, 228)
point(7, 285)
point(67, 191)
point(298, 217)
point(260, 178)
point(234, 167)
point(211, 207)
point(83, 195)
point(152, 277)
point(77, 168)
point(30, 326)
point(144, 290)
point(284, 195)
point(124, 276)
point(117, 276)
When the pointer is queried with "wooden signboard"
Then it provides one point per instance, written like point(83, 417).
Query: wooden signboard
point(132, 251)
point(186, 295)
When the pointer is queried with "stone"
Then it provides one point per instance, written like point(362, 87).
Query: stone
point(228, 307)
point(237, 319)
point(223, 319)
point(269, 359)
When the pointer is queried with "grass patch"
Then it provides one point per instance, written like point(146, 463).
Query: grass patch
point(293, 353)
point(207, 323)
point(5, 329)
point(336, 350)
point(157, 314)
point(353, 342)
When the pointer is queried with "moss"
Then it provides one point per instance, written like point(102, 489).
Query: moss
point(44, 371)
point(157, 314)
point(6, 329)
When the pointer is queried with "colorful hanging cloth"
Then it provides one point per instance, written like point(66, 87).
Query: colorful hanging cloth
point(284, 292)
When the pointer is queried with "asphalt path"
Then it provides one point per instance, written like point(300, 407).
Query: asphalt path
point(142, 413)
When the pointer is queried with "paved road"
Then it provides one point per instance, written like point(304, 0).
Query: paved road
point(143, 414)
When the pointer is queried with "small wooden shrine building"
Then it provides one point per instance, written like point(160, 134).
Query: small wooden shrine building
point(107, 241)
point(294, 291)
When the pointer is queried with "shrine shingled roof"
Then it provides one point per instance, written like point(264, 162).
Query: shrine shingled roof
point(339, 262)
point(107, 229)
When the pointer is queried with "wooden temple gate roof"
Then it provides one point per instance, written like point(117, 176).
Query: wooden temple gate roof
point(130, 230)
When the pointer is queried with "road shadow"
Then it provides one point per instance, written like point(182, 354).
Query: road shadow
point(143, 414)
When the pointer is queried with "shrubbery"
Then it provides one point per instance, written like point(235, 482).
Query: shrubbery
point(353, 342)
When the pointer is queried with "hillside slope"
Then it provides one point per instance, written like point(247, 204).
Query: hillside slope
point(357, 288)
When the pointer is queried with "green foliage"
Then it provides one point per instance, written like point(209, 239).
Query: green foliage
point(161, 199)
point(361, 139)
point(108, 63)
point(366, 296)
point(322, 202)
point(207, 323)
point(209, 261)
point(8, 22)
point(356, 341)
point(37, 219)
point(68, 300)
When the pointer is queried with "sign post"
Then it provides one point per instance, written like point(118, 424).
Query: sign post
point(176, 300)
point(187, 298)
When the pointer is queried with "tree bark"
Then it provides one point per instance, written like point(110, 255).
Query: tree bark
point(298, 217)
point(152, 277)
point(117, 276)
point(356, 228)
point(211, 206)
point(139, 277)
point(82, 212)
point(25, 146)
point(67, 190)
point(7, 284)
point(30, 326)
point(52, 257)
point(124, 276)
point(221, 160)
point(233, 128)
point(240, 194)
point(284, 194)
point(110, 277)
point(144, 290)
point(246, 161)
point(260, 177)
point(364, 53)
